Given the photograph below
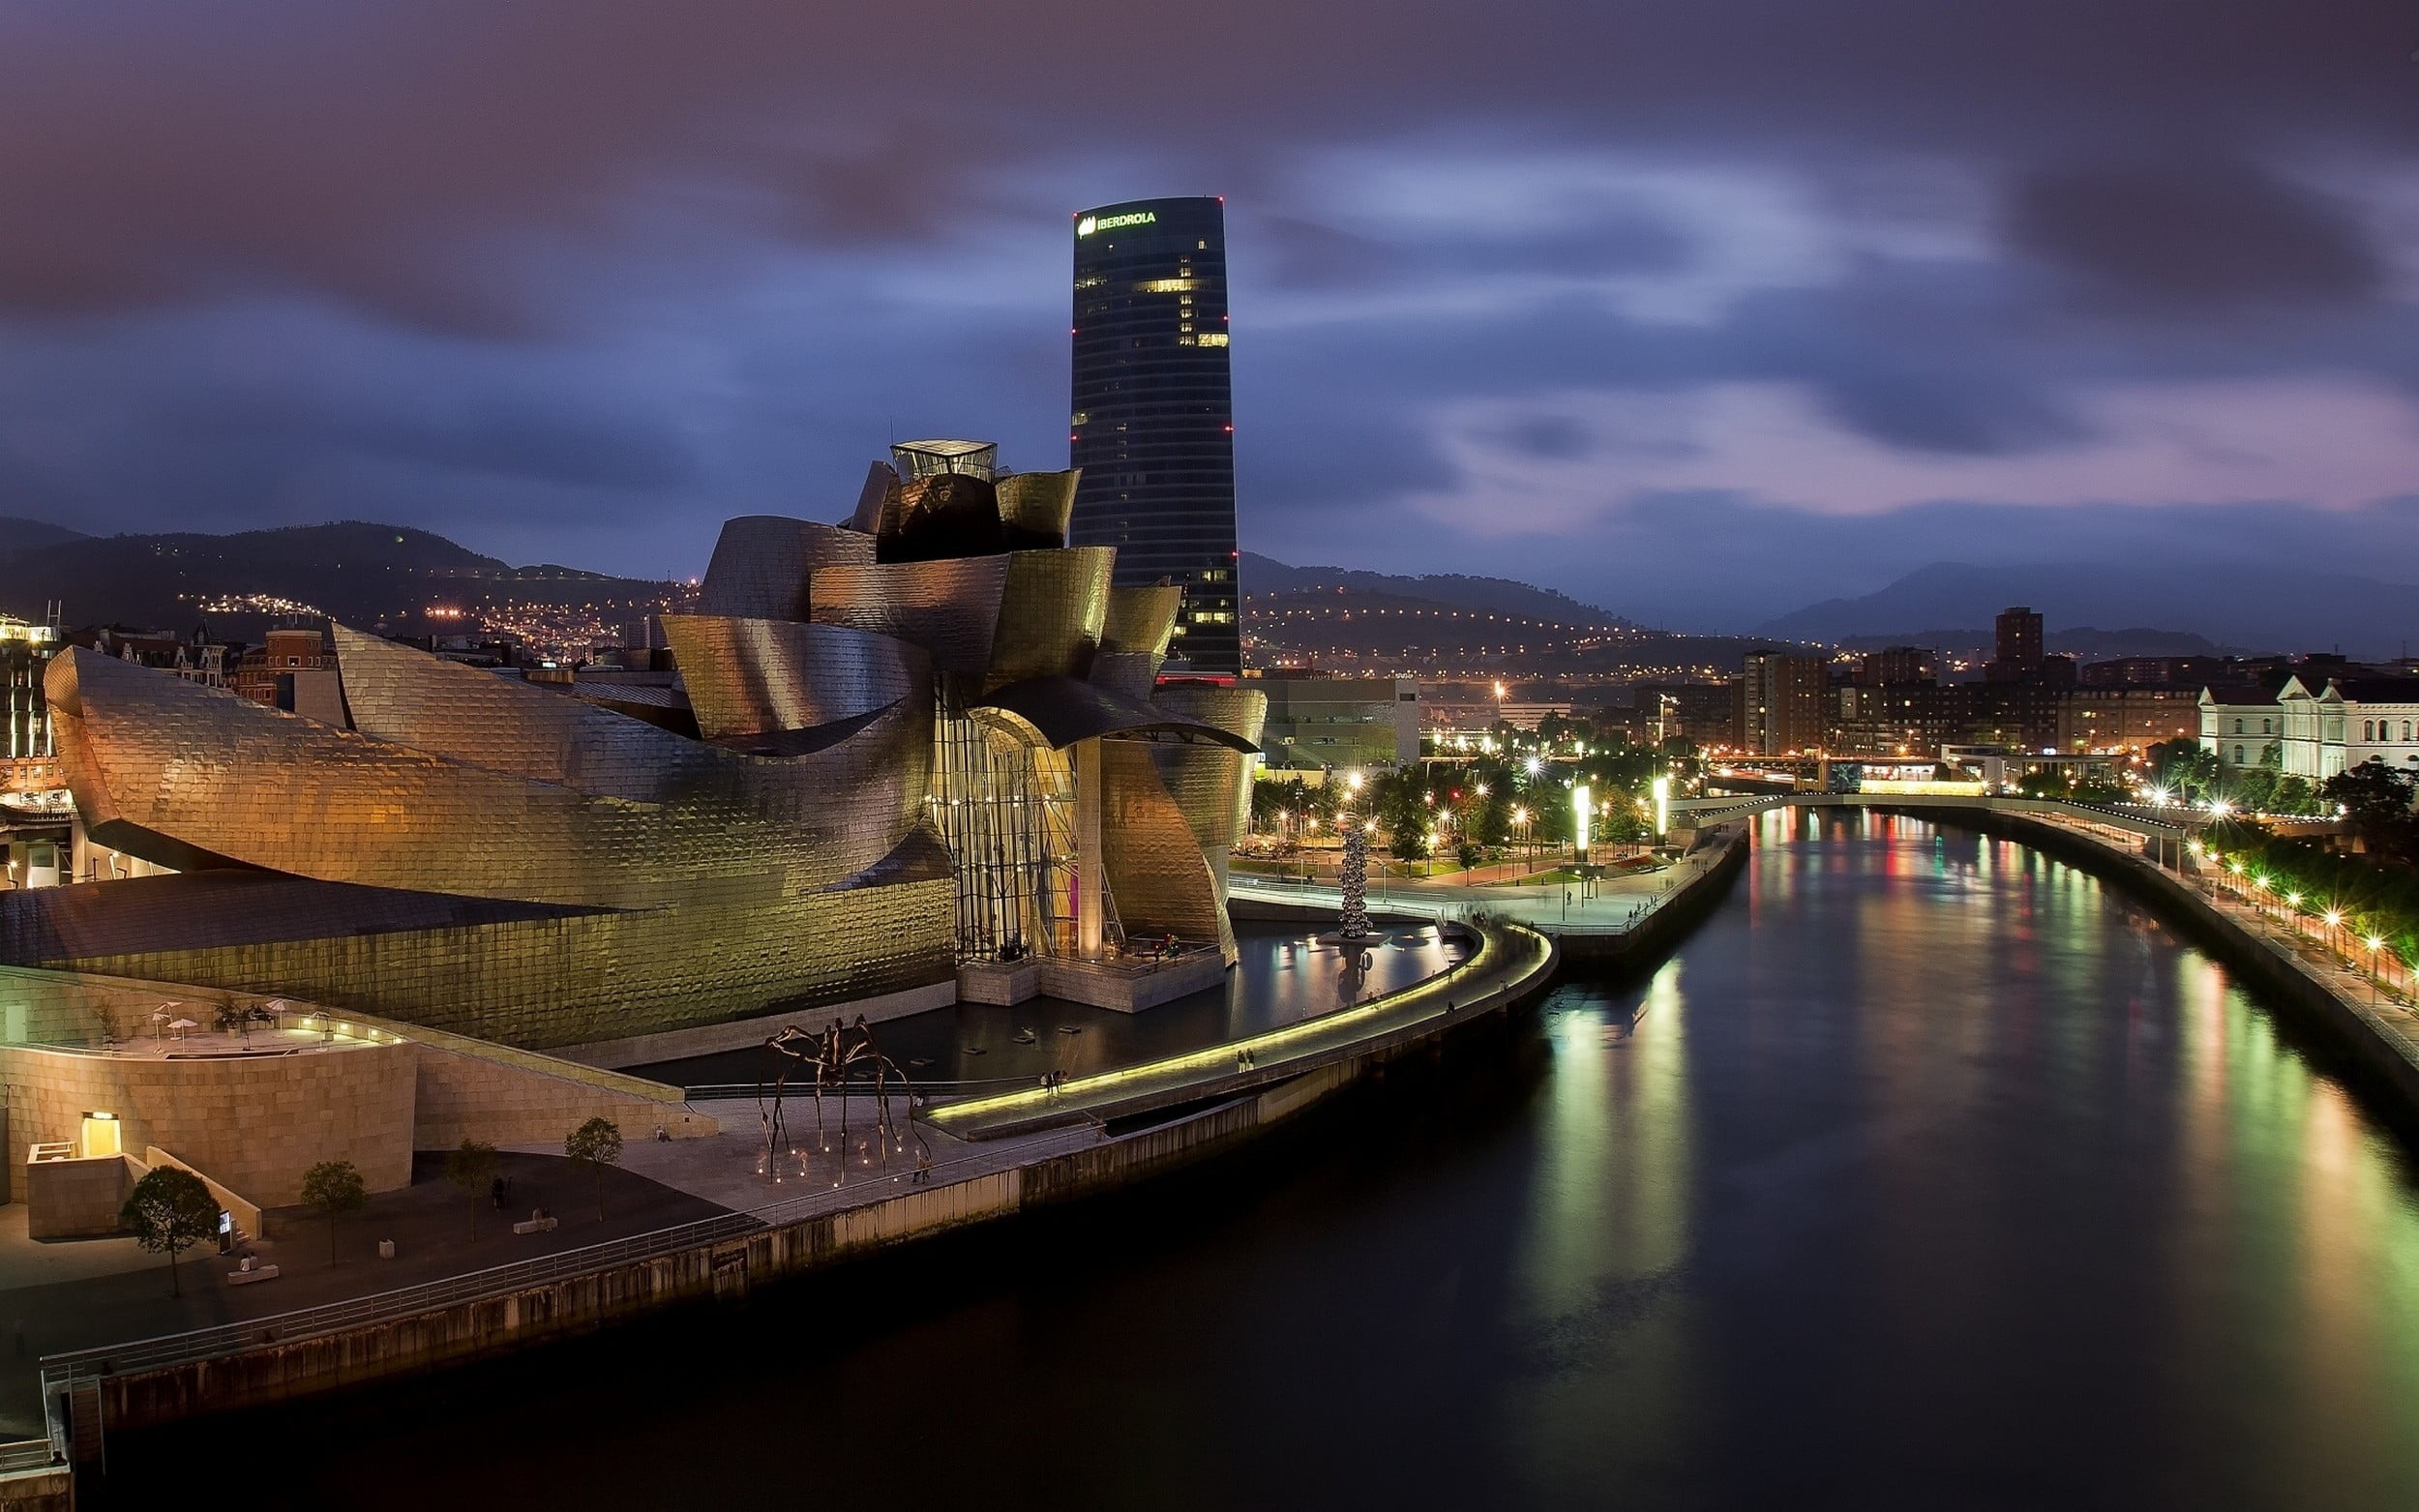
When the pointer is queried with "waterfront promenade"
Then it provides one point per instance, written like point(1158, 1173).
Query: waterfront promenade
point(796, 1204)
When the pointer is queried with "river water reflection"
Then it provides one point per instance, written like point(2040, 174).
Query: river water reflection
point(1928, 1173)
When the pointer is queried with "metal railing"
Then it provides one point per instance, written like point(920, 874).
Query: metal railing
point(163, 1351)
point(30, 1454)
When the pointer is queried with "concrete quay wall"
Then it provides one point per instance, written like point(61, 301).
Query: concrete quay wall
point(1669, 922)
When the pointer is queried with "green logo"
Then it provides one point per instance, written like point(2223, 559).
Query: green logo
point(1091, 224)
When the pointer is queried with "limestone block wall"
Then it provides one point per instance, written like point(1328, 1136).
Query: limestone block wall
point(244, 1210)
point(70, 1198)
point(464, 1096)
point(255, 1123)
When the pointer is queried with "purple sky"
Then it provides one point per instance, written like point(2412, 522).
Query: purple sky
point(1700, 310)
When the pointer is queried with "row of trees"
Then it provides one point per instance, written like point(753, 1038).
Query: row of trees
point(170, 1209)
point(2192, 773)
point(1479, 804)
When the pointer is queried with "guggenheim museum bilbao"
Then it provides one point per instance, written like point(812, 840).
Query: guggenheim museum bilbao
point(919, 754)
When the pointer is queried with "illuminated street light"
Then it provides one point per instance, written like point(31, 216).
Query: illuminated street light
point(1582, 811)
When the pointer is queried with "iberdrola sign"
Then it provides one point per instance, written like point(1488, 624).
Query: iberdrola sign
point(1091, 224)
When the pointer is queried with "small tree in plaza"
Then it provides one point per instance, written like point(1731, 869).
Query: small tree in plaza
point(469, 1168)
point(332, 1189)
point(170, 1210)
point(595, 1144)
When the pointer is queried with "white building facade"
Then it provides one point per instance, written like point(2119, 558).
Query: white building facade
point(2317, 733)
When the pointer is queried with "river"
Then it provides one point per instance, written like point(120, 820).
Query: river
point(1930, 1172)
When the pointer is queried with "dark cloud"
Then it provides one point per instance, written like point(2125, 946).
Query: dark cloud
point(1556, 436)
point(1944, 410)
point(585, 276)
point(2188, 240)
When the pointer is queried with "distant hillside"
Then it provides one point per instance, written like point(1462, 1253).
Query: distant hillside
point(17, 534)
point(236, 584)
point(1263, 574)
point(2265, 606)
point(1449, 626)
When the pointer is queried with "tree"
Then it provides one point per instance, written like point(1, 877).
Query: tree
point(1468, 855)
point(2255, 788)
point(170, 1210)
point(595, 1144)
point(2376, 799)
point(2296, 796)
point(332, 1189)
point(2185, 767)
point(469, 1168)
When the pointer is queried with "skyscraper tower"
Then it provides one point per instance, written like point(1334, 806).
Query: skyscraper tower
point(1154, 421)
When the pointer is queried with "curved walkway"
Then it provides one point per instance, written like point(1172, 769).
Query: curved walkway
point(1511, 959)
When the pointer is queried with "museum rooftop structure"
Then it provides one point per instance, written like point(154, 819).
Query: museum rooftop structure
point(919, 752)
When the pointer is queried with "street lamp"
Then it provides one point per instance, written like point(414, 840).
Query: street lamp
point(2376, 974)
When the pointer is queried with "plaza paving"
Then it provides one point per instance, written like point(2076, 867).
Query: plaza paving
point(1615, 901)
point(74, 1294)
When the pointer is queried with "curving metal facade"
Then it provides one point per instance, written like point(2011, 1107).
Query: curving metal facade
point(882, 780)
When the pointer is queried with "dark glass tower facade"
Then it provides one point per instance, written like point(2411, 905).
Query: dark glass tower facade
point(1153, 422)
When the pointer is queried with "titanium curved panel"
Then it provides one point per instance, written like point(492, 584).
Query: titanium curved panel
point(874, 498)
point(408, 697)
point(1050, 614)
point(757, 676)
point(1242, 712)
point(1155, 870)
point(1036, 506)
point(1143, 619)
point(1205, 781)
point(761, 564)
point(238, 780)
point(842, 795)
point(950, 607)
point(1126, 673)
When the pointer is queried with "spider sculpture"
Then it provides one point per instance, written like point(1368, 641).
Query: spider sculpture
point(836, 1055)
